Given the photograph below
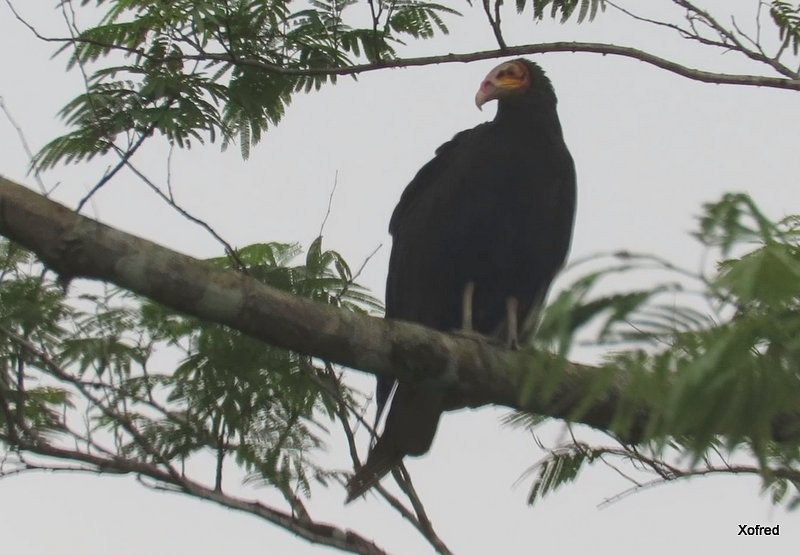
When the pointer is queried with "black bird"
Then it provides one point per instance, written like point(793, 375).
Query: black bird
point(478, 236)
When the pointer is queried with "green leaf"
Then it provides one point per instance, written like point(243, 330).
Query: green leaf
point(768, 275)
point(559, 468)
point(786, 17)
point(563, 9)
point(264, 54)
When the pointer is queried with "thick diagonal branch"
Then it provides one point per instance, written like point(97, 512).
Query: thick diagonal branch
point(477, 373)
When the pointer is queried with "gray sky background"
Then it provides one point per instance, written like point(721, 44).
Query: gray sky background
point(650, 148)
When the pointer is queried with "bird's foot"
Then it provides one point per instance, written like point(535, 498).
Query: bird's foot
point(472, 334)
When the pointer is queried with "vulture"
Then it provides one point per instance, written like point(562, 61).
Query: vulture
point(478, 236)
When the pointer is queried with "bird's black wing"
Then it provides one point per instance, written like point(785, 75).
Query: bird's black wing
point(414, 289)
point(426, 177)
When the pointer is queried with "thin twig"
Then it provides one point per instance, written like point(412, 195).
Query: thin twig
point(229, 250)
point(169, 172)
point(316, 532)
point(711, 22)
point(330, 203)
point(403, 479)
point(124, 157)
point(354, 277)
point(494, 21)
point(25, 146)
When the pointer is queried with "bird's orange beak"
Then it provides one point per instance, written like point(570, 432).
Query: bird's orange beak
point(506, 78)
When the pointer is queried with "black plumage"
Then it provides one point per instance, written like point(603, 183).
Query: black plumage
point(494, 209)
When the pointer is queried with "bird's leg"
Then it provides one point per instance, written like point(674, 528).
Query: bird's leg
point(466, 306)
point(467, 298)
point(512, 333)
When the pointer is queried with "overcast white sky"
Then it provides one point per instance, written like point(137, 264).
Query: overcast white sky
point(650, 148)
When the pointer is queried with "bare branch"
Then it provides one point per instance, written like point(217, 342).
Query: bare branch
point(494, 21)
point(330, 203)
point(680, 474)
point(403, 479)
point(731, 40)
point(24, 142)
point(170, 200)
point(118, 166)
point(792, 83)
point(354, 277)
point(316, 532)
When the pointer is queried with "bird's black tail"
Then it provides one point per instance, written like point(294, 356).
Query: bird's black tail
point(381, 460)
point(410, 427)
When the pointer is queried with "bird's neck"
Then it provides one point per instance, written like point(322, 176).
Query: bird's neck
point(530, 116)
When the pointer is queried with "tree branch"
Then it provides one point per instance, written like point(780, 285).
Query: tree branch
point(791, 83)
point(589, 47)
point(494, 21)
point(324, 534)
point(474, 372)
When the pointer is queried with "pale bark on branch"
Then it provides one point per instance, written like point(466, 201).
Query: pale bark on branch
point(476, 372)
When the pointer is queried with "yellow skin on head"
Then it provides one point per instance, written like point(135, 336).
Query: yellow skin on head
point(506, 79)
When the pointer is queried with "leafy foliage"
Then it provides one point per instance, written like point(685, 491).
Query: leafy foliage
point(563, 9)
point(228, 69)
point(155, 387)
point(32, 310)
point(559, 468)
point(787, 17)
point(195, 71)
point(714, 356)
